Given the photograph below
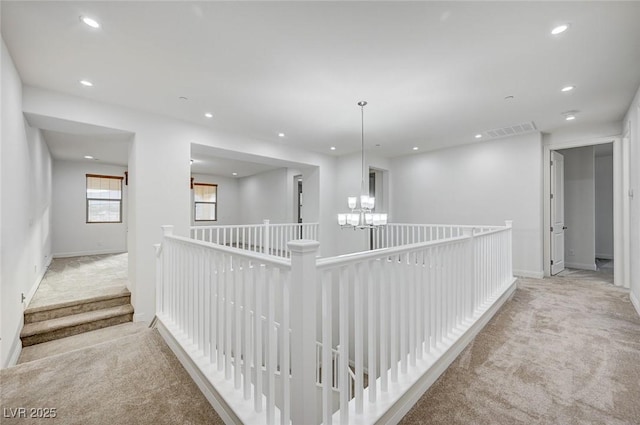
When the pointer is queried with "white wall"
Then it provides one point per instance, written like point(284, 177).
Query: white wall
point(579, 208)
point(484, 183)
point(604, 206)
point(25, 211)
point(228, 199)
point(265, 195)
point(632, 122)
point(72, 235)
point(159, 157)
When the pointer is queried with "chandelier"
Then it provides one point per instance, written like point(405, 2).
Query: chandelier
point(362, 215)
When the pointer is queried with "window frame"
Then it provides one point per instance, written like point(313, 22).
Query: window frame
point(195, 203)
point(87, 199)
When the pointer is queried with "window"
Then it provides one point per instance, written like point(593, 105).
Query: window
point(104, 199)
point(205, 197)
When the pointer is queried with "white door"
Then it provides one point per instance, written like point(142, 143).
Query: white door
point(557, 213)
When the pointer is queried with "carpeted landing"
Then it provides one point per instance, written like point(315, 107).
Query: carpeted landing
point(135, 379)
point(562, 351)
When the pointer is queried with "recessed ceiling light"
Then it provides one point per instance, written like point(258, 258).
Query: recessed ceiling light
point(90, 22)
point(568, 88)
point(478, 136)
point(570, 117)
point(234, 174)
point(88, 157)
point(560, 29)
point(183, 98)
point(208, 115)
point(415, 148)
point(333, 148)
point(86, 83)
point(280, 134)
point(510, 97)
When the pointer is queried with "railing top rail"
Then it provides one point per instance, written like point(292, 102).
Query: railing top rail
point(226, 226)
point(223, 226)
point(249, 255)
point(494, 229)
point(324, 263)
point(292, 224)
point(462, 226)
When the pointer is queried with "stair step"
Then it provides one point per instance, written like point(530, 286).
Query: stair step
point(60, 327)
point(39, 314)
point(80, 341)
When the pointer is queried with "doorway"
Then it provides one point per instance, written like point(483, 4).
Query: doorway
point(592, 213)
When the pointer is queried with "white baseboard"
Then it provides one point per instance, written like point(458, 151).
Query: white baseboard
point(34, 288)
point(528, 273)
point(635, 301)
point(580, 266)
point(605, 256)
point(222, 409)
point(16, 347)
point(139, 317)
point(83, 253)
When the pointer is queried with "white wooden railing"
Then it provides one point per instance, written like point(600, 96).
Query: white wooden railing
point(397, 234)
point(363, 329)
point(266, 238)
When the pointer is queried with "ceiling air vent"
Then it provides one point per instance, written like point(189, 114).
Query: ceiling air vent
point(514, 130)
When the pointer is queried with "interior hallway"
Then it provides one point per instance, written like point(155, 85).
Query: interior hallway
point(75, 278)
point(563, 350)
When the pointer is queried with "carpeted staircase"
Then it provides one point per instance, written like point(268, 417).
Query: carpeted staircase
point(51, 322)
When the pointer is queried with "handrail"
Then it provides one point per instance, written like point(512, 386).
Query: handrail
point(323, 263)
point(251, 255)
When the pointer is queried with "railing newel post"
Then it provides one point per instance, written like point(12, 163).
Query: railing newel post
point(303, 330)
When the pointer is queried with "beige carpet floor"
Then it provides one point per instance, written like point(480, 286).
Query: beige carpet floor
point(564, 350)
point(76, 278)
point(133, 380)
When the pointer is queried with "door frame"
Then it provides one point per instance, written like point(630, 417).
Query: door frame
point(621, 239)
point(554, 201)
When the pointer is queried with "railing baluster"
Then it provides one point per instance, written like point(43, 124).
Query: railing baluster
point(325, 280)
point(380, 268)
point(343, 380)
point(372, 288)
point(358, 300)
point(247, 352)
point(393, 286)
point(260, 283)
point(271, 346)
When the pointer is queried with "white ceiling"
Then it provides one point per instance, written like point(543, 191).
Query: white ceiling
point(211, 161)
point(434, 73)
point(71, 141)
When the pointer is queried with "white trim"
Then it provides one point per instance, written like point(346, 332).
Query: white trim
point(604, 256)
point(422, 384)
point(620, 216)
point(581, 266)
point(16, 347)
point(199, 371)
point(139, 317)
point(635, 301)
point(36, 285)
point(83, 253)
point(528, 273)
